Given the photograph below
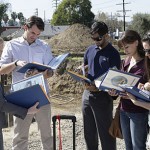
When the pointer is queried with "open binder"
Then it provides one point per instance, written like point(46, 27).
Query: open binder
point(78, 77)
point(114, 78)
point(53, 64)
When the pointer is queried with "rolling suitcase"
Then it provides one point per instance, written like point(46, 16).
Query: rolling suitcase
point(59, 117)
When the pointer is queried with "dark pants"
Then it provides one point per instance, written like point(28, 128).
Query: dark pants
point(2, 121)
point(97, 116)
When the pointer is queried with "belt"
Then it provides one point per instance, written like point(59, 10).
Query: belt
point(95, 92)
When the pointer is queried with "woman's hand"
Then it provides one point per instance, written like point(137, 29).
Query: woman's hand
point(140, 86)
point(124, 95)
point(131, 97)
point(112, 92)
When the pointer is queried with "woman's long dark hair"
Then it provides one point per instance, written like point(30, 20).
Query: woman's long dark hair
point(147, 60)
point(129, 37)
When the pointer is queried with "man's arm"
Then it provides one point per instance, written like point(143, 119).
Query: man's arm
point(8, 68)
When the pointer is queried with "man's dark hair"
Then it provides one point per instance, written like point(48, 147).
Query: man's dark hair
point(34, 20)
point(146, 39)
point(99, 27)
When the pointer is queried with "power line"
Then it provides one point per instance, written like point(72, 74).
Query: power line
point(124, 12)
point(106, 7)
point(105, 2)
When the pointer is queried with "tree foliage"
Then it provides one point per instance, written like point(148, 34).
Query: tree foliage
point(3, 9)
point(141, 23)
point(111, 20)
point(73, 11)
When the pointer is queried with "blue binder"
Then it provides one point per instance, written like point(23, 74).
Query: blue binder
point(53, 64)
point(139, 94)
point(28, 97)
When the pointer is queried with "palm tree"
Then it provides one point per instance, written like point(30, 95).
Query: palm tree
point(3, 9)
point(14, 16)
point(22, 21)
point(21, 18)
point(5, 18)
point(20, 15)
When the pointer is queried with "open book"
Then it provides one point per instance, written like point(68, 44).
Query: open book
point(114, 78)
point(28, 91)
point(53, 64)
point(138, 93)
point(78, 77)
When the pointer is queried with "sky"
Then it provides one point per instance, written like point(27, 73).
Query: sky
point(46, 7)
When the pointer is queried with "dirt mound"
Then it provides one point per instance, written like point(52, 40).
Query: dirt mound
point(62, 83)
point(74, 39)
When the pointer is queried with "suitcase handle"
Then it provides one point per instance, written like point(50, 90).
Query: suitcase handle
point(70, 117)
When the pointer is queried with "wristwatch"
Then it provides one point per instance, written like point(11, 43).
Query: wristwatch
point(16, 62)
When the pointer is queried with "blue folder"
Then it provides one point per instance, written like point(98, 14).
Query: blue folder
point(28, 97)
point(139, 94)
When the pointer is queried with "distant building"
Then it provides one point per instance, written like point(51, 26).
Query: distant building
point(50, 31)
point(9, 31)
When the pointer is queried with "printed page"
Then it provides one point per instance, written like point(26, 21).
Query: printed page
point(36, 79)
point(114, 78)
point(56, 61)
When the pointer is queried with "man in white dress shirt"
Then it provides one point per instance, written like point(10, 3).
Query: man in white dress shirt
point(16, 54)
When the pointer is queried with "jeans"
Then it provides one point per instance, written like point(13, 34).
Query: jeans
point(149, 118)
point(135, 129)
point(97, 116)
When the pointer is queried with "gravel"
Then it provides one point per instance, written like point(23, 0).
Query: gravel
point(72, 108)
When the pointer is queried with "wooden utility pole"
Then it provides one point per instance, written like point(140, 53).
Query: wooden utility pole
point(36, 12)
point(56, 2)
point(124, 13)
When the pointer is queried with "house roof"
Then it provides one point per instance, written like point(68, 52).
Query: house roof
point(49, 31)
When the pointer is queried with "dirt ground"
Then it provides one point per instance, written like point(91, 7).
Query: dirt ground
point(66, 105)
